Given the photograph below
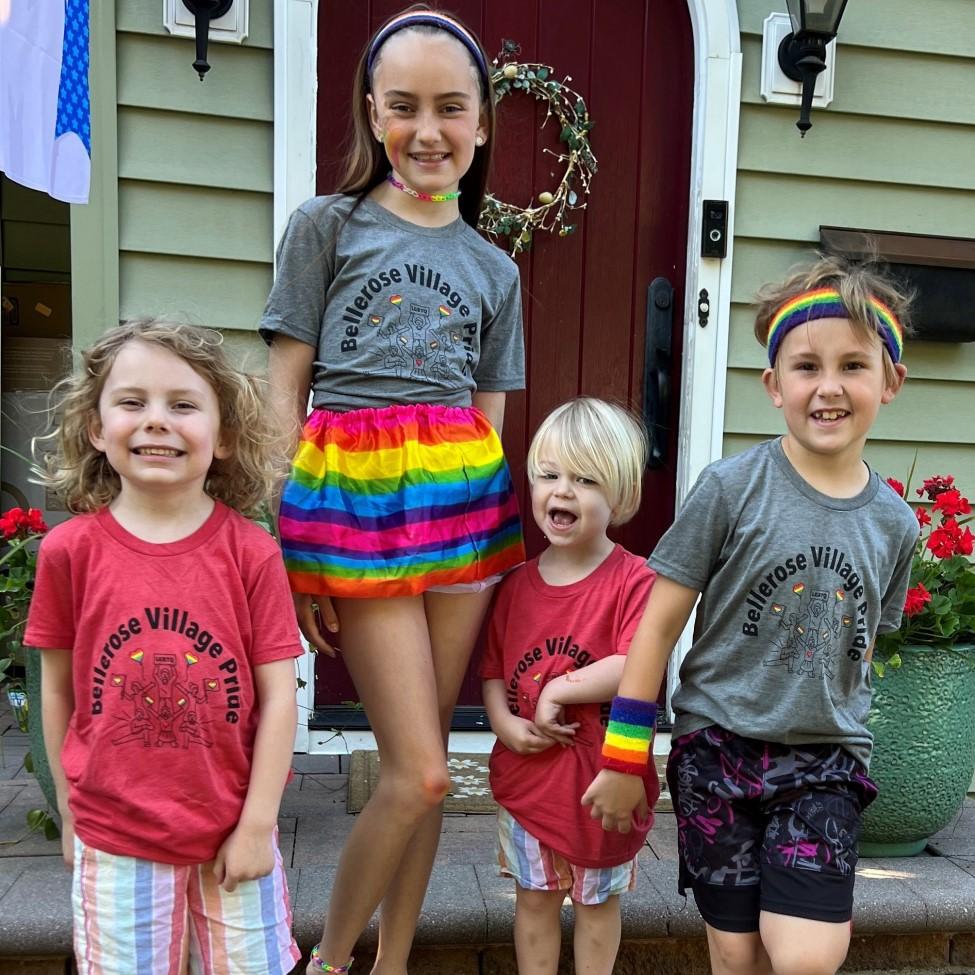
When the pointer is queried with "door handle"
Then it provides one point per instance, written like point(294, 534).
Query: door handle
point(656, 369)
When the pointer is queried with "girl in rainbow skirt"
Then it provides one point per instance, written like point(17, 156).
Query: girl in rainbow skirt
point(399, 516)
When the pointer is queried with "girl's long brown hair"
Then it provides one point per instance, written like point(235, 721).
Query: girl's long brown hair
point(367, 165)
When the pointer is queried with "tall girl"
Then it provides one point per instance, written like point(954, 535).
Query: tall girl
point(399, 516)
point(167, 661)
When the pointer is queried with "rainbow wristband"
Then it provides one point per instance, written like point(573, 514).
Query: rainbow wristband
point(626, 747)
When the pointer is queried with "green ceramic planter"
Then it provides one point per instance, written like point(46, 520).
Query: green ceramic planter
point(42, 770)
point(923, 722)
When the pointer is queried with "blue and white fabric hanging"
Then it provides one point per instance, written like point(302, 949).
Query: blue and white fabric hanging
point(45, 117)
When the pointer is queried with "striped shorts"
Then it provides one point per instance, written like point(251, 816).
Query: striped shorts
point(133, 916)
point(535, 866)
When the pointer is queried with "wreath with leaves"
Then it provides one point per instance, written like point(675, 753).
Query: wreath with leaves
point(553, 208)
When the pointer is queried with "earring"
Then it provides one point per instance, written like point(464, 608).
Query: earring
point(479, 141)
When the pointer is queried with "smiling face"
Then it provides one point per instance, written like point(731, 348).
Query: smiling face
point(830, 385)
point(570, 507)
point(158, 422)
point(425, 106)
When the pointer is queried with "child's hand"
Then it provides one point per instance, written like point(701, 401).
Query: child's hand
point(613, 797)
point(314, 613)
point(550, 716)
point(522, 737)
point(247, 854)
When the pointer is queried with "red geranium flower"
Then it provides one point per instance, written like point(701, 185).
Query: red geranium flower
point(896, 485)
point(917, 598)
point(934, 486)
point(944, 539)
point(952, 504)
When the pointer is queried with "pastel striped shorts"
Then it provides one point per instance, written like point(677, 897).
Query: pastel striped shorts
point(133, 916)
point(397, 501)
point(535, 866)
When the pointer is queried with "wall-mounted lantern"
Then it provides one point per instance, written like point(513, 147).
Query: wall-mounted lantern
point(204, 11)
point(802, 54)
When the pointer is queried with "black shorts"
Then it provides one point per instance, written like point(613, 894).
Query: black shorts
point(766, 827)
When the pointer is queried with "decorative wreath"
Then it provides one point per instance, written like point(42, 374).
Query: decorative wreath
point(518, 224)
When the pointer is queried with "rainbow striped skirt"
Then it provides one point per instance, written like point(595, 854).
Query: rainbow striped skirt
point(397, 501)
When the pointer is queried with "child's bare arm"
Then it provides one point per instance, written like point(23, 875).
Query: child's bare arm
point(614, 795)
point(57, 706)
point(248, 853)
point(593, 684)
point(515, 733)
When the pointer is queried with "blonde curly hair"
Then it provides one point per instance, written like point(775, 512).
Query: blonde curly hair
point(255, 462)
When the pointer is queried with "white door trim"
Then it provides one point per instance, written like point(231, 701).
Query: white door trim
point(714, 161)
point(295, 101)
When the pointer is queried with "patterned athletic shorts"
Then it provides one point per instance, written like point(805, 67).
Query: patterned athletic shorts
point(535, 866)
point(766, 827)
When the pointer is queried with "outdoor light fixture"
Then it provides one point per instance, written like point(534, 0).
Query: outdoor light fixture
point(205, 11)
point(802, 54)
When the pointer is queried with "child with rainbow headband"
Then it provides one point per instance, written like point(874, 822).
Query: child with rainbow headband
point(801, 556)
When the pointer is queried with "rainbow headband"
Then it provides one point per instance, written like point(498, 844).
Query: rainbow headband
point(828, 303)
point(433, 19)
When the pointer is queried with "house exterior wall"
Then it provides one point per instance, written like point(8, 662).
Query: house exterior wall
point(892, 152)
point(190, 174)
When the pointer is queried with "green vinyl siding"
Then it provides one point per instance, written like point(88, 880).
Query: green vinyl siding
point(893, 152)
point(195, 173)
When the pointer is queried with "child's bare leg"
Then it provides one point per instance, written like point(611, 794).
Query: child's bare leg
point(453, 620)
point(737, 953)
point(387, 650)
point(799, 946)
point(538, 930)
point(596, 938)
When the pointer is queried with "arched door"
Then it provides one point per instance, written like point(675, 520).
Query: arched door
point(585, 295)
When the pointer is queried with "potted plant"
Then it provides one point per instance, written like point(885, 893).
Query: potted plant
point(923, 711)
point(20, 531)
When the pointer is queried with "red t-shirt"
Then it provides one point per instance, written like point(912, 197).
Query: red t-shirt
point(164, 640)
point(538, 632)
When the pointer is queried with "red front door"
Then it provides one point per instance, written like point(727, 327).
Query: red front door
point(585, 295)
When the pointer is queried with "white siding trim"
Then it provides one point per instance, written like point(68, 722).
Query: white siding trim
point(714, 162)
point(295, 98)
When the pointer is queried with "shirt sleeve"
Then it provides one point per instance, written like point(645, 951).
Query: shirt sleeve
point(690, 550)
point(892, 602)
point(501, 364)
point(273, 621)
point(305, 268)
point(50, 620)
point(632, 604)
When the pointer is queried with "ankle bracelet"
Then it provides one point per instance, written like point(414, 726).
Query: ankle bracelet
point(324, 966)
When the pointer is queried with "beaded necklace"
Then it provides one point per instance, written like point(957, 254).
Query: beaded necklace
point(427, 197)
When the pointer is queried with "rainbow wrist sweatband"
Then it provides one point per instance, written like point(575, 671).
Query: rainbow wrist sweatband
point(626, 747)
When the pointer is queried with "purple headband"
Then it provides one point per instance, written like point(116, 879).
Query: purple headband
point(433, 19)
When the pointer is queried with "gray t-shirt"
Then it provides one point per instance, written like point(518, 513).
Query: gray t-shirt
point(795, 586)
point(398, 313)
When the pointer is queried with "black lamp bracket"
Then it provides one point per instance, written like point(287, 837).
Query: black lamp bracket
point(205, 11)
point(802, 57)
